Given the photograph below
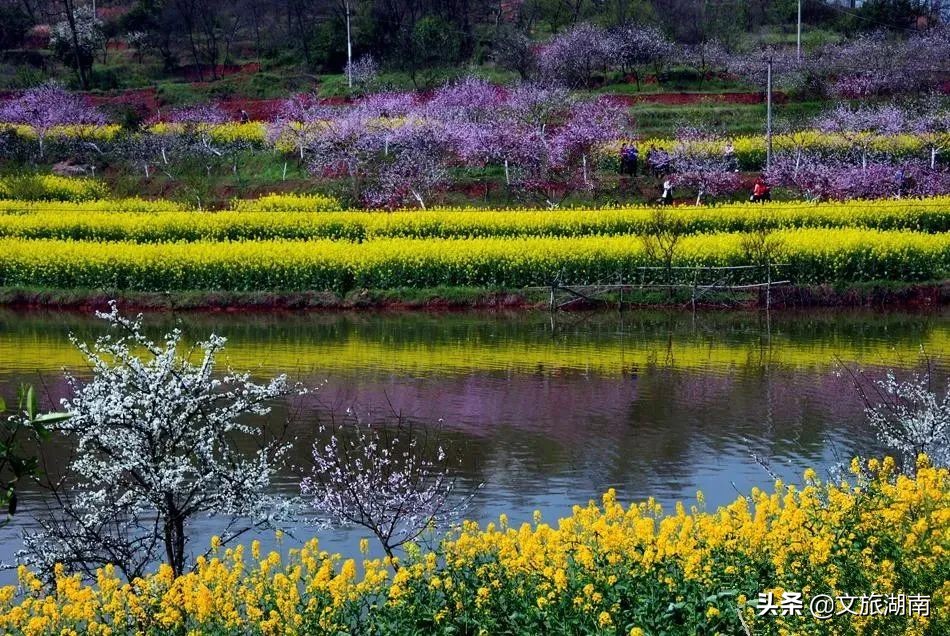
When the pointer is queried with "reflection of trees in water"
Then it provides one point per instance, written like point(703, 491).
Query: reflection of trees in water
point(648, 416)
point(472, 331)
point(607, 429)
point(660, 420)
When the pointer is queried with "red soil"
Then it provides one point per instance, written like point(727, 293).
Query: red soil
point(145, 100)
point(257, 109)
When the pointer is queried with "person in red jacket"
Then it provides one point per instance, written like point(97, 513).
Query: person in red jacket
point(760, 191)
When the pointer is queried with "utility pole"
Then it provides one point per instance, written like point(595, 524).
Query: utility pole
point(798, 41)
point(349, 47)
point(768, 115)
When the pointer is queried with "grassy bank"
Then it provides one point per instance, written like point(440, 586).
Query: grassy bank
point(877, 294)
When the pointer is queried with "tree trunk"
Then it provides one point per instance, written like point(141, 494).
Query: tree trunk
point(71, 19)
point(174, 536)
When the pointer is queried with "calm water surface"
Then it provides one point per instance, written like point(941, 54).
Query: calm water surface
point(544, 412)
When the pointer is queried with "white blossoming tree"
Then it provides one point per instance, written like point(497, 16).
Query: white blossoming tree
point(78, 38)
point(396, 482)
point(157, 444)
point(911, 417)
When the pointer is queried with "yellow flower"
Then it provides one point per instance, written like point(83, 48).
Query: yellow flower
point(604, 619)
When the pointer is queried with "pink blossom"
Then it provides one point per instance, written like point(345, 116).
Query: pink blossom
point(472, 99)
point(47, 106)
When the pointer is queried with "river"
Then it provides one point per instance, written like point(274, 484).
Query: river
point(544, 411)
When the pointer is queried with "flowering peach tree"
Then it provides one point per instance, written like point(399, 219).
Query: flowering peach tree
point(395, 482)
point(47, 106)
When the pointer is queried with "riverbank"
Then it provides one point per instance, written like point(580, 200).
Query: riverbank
point(874, 294)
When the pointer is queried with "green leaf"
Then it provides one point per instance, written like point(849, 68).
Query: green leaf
point(31, 403)
point(51, 418)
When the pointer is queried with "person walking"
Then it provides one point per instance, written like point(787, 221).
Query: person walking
point(667, 197)
point(729, 154)
point(760, 191)
point(245, 118)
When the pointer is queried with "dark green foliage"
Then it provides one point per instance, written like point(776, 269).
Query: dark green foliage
point(15, 463)
point(14, 23)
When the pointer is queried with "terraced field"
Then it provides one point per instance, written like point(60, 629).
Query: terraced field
point(280, 244)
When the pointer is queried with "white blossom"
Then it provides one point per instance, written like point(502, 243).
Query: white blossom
point(912, 418)
point(156, 437)
point(385, 480)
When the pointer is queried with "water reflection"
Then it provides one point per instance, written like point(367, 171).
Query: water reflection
point(545, 415)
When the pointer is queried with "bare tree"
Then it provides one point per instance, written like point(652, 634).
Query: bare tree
point(761, 246)
point(661, 237)
point(396, 482)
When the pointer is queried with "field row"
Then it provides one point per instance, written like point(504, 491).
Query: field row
point(134, 221)
point(813, 256)
point(750, 150)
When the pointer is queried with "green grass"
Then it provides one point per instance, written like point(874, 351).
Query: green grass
point(335, 85)
point(662, 120)
point(675, 80)
point(258, 173)
point(812, 37)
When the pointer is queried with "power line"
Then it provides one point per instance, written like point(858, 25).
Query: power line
point(839, 9)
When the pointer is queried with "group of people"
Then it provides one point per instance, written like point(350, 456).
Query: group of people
point(630, 156)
